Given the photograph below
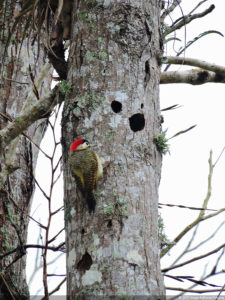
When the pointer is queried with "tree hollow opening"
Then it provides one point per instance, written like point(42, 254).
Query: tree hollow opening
point(116, 106)
point(137, 122)
point(85, 263)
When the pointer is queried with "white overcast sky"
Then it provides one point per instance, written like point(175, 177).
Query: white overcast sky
point(185, 170)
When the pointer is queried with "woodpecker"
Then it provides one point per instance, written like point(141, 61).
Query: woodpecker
point(86, 167)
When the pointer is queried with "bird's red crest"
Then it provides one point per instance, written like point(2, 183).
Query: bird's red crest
point(76, 144)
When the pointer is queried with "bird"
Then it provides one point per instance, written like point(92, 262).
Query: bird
point(86, 168)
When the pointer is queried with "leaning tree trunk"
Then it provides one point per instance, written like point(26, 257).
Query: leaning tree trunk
point(18, 161)
point(114, 104)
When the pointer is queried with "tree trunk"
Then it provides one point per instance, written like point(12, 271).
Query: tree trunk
point(19, 159)
point(114, 104)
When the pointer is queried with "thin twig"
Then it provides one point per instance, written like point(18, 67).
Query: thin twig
point(8, 287)
point(188, 18)
point(201, 214)
point(170, 9)
point(52, 239)
point(54, 249)
point(49, 275)
point(193, 291)
point(197, 6)
point(188, 207)
point(221, 153)
point(57, 288)
point(40, 188)
point(188, 249)
point(22, 211)
point(193, 259)
point(57, 210)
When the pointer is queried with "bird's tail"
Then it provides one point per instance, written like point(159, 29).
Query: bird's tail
point(91, 202)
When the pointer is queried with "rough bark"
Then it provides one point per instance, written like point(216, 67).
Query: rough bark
point(19, 158)
point(114, 104)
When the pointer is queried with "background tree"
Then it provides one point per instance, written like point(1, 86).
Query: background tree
point(18, 152)
point(112, 85)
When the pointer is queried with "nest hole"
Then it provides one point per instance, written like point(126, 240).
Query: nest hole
point(137, 122)
point(116, 106)
point(85, 263)
point(109, 224)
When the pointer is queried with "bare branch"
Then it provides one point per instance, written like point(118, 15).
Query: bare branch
point(57, 288)
point(193, 76)
point(200, 217)
point(194, 291)
point(9, 289)
point(41, 189)
point(212, 273)
point(182, 131)
point(221, 153)
point(52, 239)
point(194, 259)
point(188, 249)
point(40, 266)
point(188, 18)
point(191, 42)
point(175, 60)
point(223, 288)
point(199, 4)
point(170, 9)
point(56, 275)
point(22, 211)
point(57, 248)
point(175, 106)
point(192, 279)
point(188, 207)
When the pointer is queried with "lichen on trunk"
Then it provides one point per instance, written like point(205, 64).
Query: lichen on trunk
point(115, 105)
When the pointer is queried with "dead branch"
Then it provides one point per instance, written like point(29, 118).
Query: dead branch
point(192, 279)
point(193, 76)
point(187, 207)
point(57, 288)
point(188, 18)
point(170, 9)
point(54, 249)
point(22, 211)
point(201, 214)
point(197, 6)
point(193, 291)
point(188, 248)
point(51, 213)
point(194, 259)
point(212, 273)
point(40, 266)
point(54, 237)
point(175, 60)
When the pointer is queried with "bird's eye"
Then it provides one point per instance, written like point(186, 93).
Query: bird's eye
point(87, 143)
